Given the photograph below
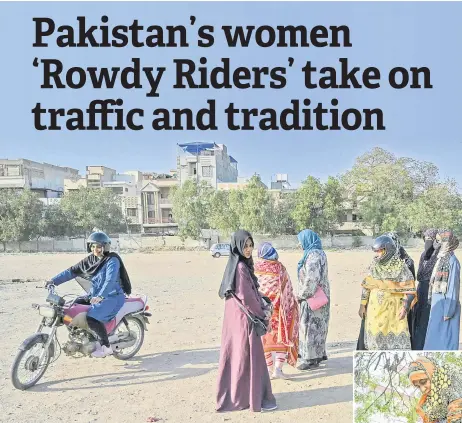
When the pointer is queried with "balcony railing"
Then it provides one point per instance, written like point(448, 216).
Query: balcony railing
point(165, 201)
point(157, 220)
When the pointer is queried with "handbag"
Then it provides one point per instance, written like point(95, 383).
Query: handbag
point(260, 326)
point(318, 300)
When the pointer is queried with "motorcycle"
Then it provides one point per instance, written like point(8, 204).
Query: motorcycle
point(125, 332)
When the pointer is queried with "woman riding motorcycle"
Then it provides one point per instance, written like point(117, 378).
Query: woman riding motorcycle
point(109, 282)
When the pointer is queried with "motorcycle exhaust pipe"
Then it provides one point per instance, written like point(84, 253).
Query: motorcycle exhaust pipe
point(113, 339)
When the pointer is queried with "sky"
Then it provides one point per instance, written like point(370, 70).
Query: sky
point(422, 124)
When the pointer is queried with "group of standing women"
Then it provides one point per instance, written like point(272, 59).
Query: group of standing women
point(430, 300)
point(267, 322)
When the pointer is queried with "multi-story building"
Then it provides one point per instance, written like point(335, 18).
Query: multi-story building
point(146, 201)
point(95, 177)
point(98, 175)
point(281, 182)
point(156, 204)
point(45, 179)
point(202, 161)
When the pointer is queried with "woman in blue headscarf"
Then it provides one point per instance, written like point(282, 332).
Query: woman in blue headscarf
point(314, 321)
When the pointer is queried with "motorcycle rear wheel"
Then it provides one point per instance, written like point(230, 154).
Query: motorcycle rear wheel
point(132, 351)
point(31, 364)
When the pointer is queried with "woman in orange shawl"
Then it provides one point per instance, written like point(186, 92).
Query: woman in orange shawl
point(275, 284)
point(441, 388)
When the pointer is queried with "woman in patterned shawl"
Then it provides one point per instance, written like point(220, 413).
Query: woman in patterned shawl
point(403, 255)
point(421, 311)
point(441, 388)
point(275, 284)
point(388, 295)
point(314, 324)
point(444, 322)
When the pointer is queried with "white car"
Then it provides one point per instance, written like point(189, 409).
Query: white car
point(222, 249)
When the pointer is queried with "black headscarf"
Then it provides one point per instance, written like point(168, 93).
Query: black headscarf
point(429, 257)
point(238, 240)
point(90, 266)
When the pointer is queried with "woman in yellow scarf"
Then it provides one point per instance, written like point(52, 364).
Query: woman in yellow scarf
point(388, 294)
point(441, 388)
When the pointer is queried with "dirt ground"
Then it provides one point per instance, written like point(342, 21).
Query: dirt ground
point(173, 377)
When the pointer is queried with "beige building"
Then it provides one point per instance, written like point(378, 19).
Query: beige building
point(146, 199)
point(156, 205)
point(45, 179)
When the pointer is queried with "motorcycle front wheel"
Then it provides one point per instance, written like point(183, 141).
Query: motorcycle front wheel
point(28, 368)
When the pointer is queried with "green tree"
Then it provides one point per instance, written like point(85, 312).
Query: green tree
point(333, 208)
point(382, 186)
point(307, 211)
point(222, 216)
point(255, 209)
point(423, 174)
point(21, 215)
point(55, 223)
point(440, 206)
point(8, 227)
point(29, 215)
point(87, 208)
point(281, 221)
point(191, 208)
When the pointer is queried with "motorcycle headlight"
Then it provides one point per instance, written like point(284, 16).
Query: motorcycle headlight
point(47, 311)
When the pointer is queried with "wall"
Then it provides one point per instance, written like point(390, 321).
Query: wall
point(290, 242)
point(43, 246)
point(137, 242)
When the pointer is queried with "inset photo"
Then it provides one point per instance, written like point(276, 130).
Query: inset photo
point(407, 387)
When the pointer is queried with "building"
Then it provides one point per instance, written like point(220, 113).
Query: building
point(352, 221)
point(145, 197)
point(281, 182)
point(281, 186)
point(202, 161)
point(96, 177)
point(156, 211)
point(45, 179)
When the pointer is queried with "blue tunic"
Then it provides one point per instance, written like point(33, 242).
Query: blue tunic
point(105, 284)
point(444, 335)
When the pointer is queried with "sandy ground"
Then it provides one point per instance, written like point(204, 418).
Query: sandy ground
point(173, 377)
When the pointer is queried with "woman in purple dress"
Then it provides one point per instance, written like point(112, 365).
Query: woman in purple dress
point(243, 379)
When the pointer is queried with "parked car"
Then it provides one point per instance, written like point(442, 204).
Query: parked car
point(218, 250)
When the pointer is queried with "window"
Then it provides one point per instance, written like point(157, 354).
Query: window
point(13, 170)
point(126, 189)
point(354, 217)
point(150, 214)
point(192, 170)
point(117, 190)
point(207, 171)
point(131, 212)
point(150, 199)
